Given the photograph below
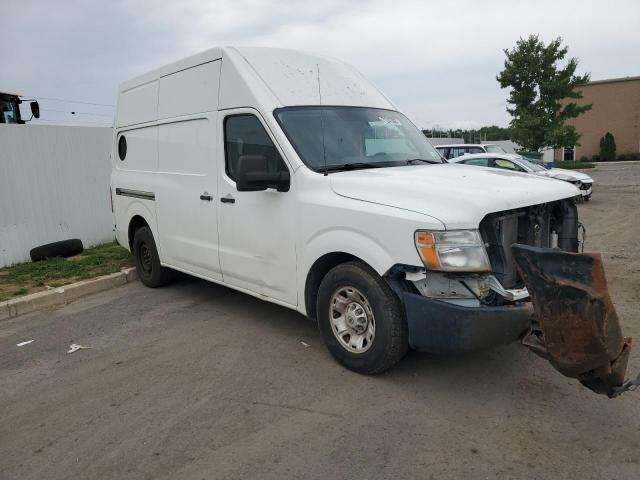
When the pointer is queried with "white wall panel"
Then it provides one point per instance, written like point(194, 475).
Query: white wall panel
point(54, 185)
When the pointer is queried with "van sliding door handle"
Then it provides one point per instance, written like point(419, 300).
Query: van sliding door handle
point(227, 200)
point(206, 196)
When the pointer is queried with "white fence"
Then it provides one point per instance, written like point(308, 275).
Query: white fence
point(54, 185)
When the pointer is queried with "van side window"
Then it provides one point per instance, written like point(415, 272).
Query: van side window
point(245, 135)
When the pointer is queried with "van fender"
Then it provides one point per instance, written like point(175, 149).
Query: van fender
point(139, 208)
point(341, 240)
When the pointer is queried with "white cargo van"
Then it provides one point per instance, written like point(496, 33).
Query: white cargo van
point(290, 177)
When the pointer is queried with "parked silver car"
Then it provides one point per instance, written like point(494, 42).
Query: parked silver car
point(518, 163)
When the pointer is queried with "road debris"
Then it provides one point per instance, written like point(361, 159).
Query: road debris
point(22, 344)
point(74, 347)
point(304, 344)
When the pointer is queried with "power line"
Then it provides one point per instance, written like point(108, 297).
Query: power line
point(72, 101)
point(78, 113)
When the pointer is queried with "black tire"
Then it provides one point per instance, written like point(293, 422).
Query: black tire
point(65, 248)
point(587, 198)
point(391, 340)
point(147, 260)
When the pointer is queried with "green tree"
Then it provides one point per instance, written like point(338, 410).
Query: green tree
point(607, 148)
point(491, 133)
point(541, 93)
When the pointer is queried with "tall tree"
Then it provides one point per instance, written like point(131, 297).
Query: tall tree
point(541, 93)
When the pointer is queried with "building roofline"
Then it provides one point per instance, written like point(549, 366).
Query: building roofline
point(611, 80)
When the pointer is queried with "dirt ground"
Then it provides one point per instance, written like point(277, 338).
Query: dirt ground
point(196, 381)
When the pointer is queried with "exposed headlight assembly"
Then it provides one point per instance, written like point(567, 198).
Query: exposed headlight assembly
point(452, 251)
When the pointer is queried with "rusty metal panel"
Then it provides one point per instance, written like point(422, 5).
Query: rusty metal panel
point(575, 323)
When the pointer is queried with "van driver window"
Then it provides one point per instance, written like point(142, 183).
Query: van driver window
point(245, 135)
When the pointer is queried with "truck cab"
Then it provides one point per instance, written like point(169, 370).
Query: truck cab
point(290, 177)
point(10, 108)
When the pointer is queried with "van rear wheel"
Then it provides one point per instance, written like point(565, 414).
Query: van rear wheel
point(147, 260)
point(361, 319)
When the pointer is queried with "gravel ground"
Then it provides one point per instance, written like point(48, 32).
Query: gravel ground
point(196, 381)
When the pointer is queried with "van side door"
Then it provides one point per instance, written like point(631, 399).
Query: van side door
point(256, 229)
point(186, 192)
point(186, 180)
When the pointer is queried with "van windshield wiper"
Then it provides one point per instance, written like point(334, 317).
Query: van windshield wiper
point(350, 166)
point(415, 161)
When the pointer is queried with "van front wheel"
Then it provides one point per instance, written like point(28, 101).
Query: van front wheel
point(361, 319)
point(147, 260)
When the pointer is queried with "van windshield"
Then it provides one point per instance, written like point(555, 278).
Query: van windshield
point(343, 138)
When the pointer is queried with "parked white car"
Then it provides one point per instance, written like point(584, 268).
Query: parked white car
point(458, 149)
point(518, 163)
point(291, 178)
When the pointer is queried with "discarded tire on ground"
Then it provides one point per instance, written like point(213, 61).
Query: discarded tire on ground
point(65, 248)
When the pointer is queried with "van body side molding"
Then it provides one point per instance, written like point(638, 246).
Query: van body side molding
point(125, 192)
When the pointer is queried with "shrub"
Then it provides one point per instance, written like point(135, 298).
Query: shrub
point(607, 147)
point(584, 158)
point(628, 156)
point(572, 165)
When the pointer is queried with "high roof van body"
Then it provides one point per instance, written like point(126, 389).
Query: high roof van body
point(290, 177)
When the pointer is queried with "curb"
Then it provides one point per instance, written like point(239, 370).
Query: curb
point(64, 295)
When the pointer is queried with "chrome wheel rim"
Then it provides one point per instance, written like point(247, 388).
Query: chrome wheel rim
point(351, 319)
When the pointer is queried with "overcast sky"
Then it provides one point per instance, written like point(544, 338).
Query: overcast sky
point(436, 60)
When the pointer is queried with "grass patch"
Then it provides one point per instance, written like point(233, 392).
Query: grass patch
point(574, 165)
point(54, 272)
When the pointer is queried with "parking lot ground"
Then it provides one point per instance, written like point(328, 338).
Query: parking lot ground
point(196, 381)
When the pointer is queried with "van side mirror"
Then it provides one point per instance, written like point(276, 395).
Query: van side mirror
point(253, 175)
point(35, 109)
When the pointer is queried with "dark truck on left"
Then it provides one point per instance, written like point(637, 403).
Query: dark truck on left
point(10, 108)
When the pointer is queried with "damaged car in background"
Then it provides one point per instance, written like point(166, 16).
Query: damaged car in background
point(518, 163)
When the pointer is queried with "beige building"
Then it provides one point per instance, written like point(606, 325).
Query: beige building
point(616, 109)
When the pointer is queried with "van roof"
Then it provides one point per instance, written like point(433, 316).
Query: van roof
point(272, 78)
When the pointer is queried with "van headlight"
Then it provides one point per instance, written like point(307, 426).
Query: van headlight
point(452, 251)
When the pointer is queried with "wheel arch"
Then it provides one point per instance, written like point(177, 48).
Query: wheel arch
point(136, 222)
point(332, 247)
point(129, 216)
point(317, 272)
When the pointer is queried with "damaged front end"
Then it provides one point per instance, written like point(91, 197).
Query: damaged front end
point(539, 290)
point(575, 325)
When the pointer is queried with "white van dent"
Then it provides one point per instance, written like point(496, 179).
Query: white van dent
point(290, 177)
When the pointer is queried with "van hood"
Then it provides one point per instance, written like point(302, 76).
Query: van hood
point(459, 196)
